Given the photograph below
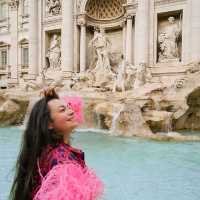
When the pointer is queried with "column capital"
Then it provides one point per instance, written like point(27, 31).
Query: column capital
point(13, 4)
point(81, 20)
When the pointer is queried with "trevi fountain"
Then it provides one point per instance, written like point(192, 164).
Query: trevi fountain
point(135, 63)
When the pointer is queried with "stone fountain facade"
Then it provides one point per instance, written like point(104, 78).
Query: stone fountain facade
point(57, 35)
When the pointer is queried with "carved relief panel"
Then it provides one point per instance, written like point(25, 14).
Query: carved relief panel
point(53, 7)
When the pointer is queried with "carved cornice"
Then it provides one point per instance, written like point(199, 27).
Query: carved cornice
point(164, 2)
point(13, 4)
point(130, 8)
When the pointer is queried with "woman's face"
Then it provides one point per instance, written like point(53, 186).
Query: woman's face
point(62, 117)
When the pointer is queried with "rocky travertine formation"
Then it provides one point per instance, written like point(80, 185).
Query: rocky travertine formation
point(145, 111)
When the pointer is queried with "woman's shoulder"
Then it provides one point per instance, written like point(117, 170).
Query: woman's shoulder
point(61, 153)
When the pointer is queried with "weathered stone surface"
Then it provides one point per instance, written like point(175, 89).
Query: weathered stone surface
point(158, 120)
point(122, 119)
point(191, 118)
point(12, 112)
point(12, 109)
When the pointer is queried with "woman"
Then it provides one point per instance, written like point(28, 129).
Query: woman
point(48, 167)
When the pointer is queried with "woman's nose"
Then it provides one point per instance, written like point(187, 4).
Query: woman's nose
point(70, 112)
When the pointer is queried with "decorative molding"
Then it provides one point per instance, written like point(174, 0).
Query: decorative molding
point(78, 6)
point(52, 21)
point(130, 9)
point(164, 2)
point(13, 4)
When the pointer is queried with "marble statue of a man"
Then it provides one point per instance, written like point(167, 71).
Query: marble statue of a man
point(54, 53)
point(168, 41)
point(100, 43)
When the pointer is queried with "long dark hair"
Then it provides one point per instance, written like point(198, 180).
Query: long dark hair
point(36, 137)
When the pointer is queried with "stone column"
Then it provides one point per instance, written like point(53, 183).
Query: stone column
point(142, 32)
point(14, 40)
point(194, 6)
point(123, 25)
point(33, 39)
point(129, 27)
point(67, 37)
point(82, 24)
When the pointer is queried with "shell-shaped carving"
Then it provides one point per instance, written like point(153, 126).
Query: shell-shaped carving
point(105, 9)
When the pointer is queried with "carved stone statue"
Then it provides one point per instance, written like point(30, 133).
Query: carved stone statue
point(100, 43)
point(54, 7)
point(125, 76)
point(119, 82)
point(102, 71)
point(54, 53)
point(140, 76)
point(37, 84)
point(168, 42)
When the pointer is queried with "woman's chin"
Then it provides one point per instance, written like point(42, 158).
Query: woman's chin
point(74, 124)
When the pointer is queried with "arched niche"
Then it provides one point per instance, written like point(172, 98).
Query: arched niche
point(109, 14)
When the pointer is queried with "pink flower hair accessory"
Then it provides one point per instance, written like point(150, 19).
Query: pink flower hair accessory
point(76, 104)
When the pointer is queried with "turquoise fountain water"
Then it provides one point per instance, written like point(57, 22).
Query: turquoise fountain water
point(132, 169)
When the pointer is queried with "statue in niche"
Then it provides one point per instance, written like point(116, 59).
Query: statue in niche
point(102, 71)
point(54, 7)
point(100, 43)
point(169, 41)
point(54, 53)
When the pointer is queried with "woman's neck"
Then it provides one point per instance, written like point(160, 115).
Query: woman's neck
point(66, 139)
